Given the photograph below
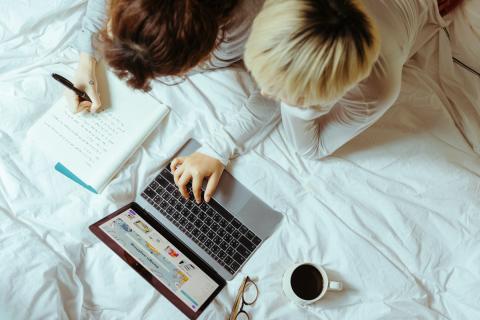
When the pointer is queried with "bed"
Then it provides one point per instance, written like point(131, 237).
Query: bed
point(394, 214)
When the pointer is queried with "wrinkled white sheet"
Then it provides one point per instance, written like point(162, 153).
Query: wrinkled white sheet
point(395, 214)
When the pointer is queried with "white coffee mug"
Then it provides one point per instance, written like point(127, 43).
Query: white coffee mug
point(326, 284)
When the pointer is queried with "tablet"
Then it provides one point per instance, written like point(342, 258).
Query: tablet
point(160, 258)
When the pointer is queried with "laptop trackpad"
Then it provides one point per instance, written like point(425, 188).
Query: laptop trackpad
point(231, 194)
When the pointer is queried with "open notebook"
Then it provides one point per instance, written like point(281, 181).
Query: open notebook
point(91, 148)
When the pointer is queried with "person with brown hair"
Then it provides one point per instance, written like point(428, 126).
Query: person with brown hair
point(143, 40)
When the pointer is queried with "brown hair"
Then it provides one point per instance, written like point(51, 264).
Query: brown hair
point(152, 38)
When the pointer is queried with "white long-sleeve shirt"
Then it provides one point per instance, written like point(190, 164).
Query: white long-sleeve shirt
point(94, 19)
point(257, 116)
point(404, 26)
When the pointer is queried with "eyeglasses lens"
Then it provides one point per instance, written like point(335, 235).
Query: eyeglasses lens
point(250, 293)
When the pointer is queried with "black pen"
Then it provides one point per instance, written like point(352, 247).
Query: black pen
point(70, 86)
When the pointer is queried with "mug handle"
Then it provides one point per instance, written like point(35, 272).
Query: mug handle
point(335, 286)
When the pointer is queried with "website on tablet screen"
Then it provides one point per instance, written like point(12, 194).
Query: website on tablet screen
point(163, 260)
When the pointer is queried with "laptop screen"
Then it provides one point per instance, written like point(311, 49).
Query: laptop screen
point(160, 257)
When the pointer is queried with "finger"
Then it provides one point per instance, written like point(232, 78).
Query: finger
point(84, 105)
point(182, 184)
point(95, 97)
point(96, 105)
point(197, 181)
point(72, 101)
point(212, 185)
point(175, 162)
point(178, 173)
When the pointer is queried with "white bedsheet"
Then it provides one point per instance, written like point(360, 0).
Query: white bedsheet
point(395, 214)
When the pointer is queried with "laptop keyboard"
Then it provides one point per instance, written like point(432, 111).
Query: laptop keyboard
point(209, 225)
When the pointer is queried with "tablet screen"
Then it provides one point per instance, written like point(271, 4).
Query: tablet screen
point(164, 260)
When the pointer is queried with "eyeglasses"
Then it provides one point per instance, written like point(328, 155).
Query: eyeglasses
point(246, 296)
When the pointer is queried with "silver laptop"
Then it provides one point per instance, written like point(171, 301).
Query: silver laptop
point(224, 232)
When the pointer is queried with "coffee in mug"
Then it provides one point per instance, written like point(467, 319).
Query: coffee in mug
point(305, 283)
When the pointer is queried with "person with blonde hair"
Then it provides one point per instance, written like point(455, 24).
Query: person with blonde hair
point(336, 65)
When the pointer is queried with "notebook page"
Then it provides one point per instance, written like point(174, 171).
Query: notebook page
point(94, 146)
point(90, 136)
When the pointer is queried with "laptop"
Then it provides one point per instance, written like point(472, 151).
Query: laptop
point(188, 251)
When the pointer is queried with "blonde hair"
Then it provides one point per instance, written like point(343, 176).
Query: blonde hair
point(311, 50)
